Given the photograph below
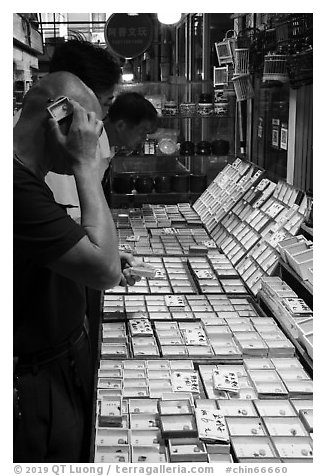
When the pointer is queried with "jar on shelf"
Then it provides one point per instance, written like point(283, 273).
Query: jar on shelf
point(203, 148)
point(144, 184)
point(198, 183)
point(163, 183)
point(180, 183)
point(123, 183)
point(170, 108)
point(187, 109)
point(187, 147)
point(205, 105)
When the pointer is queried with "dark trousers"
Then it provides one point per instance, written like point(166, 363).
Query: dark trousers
point(55, 409)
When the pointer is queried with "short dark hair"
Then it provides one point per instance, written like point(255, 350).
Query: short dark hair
point(91, 63)
point(133, 108)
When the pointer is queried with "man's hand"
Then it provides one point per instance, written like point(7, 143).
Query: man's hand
point(127, 261)
point(78, 146)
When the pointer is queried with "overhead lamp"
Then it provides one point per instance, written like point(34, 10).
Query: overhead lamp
point(169, 18)
point(127, 71)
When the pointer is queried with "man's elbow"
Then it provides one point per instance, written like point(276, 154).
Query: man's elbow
point(109, 279)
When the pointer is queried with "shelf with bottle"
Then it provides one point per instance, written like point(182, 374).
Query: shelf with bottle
point(164, 183)
point(186, 100)
point(166, 145)
point(196, 116)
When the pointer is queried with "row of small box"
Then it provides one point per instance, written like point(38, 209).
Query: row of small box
point(191, 329)
point(210, 308)
point(172, 276)
point(289, 306)
point(275, 363)
point(151, 421)
point(229, 175)
point(152, 214)
point(166, 241)
point(236, 238)
point(256, 195)
point(241, 408)
point(253, 272)
point(150, 380)
point(290, 310)
point(259, 336)
point(271, 209)
point(251, 383)
point(221, 196)
point(260, 383)
point(261, 449)
point(146, 347)
point(298, 253)
point(238, 410)
point(289, 370)
point(197, 232)
point(182, 283)
point(204, 275)
point(231, 245)
point(171, 339)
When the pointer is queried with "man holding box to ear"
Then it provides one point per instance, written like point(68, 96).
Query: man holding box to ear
point(54, 259)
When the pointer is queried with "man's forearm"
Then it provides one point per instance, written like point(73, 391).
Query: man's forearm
point(96, 217)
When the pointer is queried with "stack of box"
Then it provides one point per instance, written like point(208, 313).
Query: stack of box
point(225, 190)
point(289, 309)
point(204, 275)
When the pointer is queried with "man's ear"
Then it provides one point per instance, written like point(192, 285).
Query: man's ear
point(120, 125)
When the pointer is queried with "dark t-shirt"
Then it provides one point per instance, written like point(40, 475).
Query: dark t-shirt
point(48, 307)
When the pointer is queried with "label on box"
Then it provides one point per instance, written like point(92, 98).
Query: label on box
point(132, 238)
point(194, 337)
point(185, 381)
point(209, 244)
point(140, 327)
point(296, 306)
point(225, 381)
point(204, 274)
point(211, 425)
point(174, 301)
point(110, 408)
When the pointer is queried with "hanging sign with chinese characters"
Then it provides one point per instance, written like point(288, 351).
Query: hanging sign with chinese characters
point(128, 35)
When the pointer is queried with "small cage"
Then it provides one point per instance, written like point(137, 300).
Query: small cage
point(243, 87)
point(225, 48)
point(220, 75)
point(241, 61)
point(275, 68)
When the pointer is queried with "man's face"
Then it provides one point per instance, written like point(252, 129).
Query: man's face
point(131, 136)
point(105, 99)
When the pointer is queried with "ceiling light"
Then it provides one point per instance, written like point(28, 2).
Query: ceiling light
point(169, 18)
